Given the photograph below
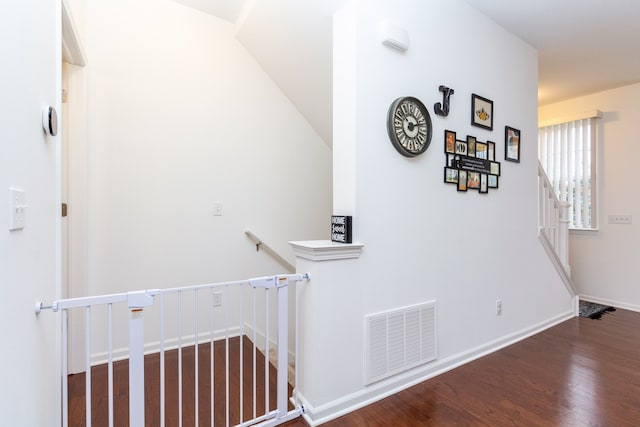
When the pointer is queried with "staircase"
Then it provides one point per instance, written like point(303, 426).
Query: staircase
point(553, 229)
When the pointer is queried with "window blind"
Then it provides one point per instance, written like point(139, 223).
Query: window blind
point(566, 152)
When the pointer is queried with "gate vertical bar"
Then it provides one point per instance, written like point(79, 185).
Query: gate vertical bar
point(212, 359)
point(179, 358)
point(136, 367)
point(162, 381)
point(196, 415)
point(283, 349)
point(110, 362)
point(87, 374)
point(266, 352)
point(254, 322)
point(65, 371)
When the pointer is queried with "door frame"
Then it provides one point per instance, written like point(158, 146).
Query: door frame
point(74, 248)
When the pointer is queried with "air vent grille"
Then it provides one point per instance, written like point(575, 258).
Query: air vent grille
point(399, 340)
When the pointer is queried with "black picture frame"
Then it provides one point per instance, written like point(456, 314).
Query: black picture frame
point(462, 180)
point(451, 175)
point(473, 180)
point(461, 147)
point(481, 112)
point(512, 144)
point(481, 150)
point(491, 151)
point(494, 167)
point(449, 141)
point(484, 184)
point(471, 146)
point(492, 181)
point(451, 160)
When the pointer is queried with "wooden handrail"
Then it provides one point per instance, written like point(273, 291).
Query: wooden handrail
point(260, 244)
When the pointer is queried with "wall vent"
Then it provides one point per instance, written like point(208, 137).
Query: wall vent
point(399, 340)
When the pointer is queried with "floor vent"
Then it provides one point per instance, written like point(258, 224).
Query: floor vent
point(399, 340)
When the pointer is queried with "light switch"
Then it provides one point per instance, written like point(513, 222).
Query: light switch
point(217, 209)
point(17, 209)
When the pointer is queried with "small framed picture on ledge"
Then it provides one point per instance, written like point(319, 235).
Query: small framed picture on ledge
point(511, 144)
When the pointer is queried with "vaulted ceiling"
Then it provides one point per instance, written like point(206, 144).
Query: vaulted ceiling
point(584, 46)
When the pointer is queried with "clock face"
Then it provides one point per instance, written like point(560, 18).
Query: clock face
point(409, 126)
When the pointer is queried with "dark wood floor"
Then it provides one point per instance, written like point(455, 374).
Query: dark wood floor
point(99, 399)
point(582, 372)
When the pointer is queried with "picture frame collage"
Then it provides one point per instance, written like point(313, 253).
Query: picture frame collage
point(470, 164)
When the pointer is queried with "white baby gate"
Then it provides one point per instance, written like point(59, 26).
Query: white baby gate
point(206, 334)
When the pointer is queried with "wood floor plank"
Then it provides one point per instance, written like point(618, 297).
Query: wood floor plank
point(582, 372)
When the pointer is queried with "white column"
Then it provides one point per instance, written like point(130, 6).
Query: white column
point(330, 323)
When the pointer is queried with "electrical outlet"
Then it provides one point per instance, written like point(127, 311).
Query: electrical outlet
point(620, 219)
point(498, 307)
point(217, 299)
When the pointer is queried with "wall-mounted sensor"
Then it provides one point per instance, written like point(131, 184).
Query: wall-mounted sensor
point(393, 36)
point(50, 120)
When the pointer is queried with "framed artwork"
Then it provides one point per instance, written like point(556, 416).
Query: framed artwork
point(461, 148)
point(449, 141)
point(495, 168)
point(451, 160)
point(491, 151)
point(492, 181)
point(473, 180)
point(471, 146)
point(462, 180)
point(511, 144)
point(484, 184)
point(481, 150)
point(451, 175)
point(481, 112)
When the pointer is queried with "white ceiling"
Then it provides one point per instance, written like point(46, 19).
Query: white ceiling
point(584, 46)
point(229, 10)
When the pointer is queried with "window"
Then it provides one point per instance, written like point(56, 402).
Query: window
point(567, 154)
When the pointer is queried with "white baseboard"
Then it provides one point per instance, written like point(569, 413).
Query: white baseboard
point(273, 344)
point(614, 303)
point(342, 406)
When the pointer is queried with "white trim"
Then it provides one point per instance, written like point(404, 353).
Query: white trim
point(593, 114)
point(72, 50)
point(326, 250)
point(273, 344)
point(557, 263)
point(583, 231)
point(614, 303)
point(59, 353)
point(346, 404)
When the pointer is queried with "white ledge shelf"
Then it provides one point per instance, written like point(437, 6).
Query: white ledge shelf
point(326, 250)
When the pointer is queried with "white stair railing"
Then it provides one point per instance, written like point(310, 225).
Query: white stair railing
point(553, 227)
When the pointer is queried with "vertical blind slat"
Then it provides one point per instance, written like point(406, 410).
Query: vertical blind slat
point(566, 154)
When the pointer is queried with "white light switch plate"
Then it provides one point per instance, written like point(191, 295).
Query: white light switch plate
point(17, 209)
point(217, 209)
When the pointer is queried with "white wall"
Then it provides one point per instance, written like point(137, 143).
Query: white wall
point(422, 239)
point(30, 49)
point(604, 263)
point(180, 116)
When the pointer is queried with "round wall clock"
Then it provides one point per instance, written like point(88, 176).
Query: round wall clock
point(409, 126)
